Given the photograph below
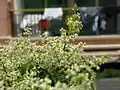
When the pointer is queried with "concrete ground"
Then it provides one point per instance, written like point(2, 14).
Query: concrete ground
point(108, 84)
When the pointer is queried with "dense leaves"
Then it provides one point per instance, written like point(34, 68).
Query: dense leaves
point(56, 65)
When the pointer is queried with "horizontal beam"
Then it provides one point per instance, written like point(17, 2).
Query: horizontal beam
point(36, 10)
point(103, 47)
point(101, 53)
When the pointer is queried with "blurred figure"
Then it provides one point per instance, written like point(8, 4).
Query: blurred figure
point(30, 19)
point(99, 24)
point(44, 25)
point(87, 13)
point(53, 13)
point(84, 14)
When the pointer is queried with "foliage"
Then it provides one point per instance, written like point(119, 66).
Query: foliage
point(55, 65)
point(74, 22)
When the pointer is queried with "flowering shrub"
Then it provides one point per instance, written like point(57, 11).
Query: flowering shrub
point(56, 65)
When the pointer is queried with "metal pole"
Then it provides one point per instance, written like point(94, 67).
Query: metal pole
point(118, 18)
point(97, 5)
point(70, 3)
point(46, 3)
point(18, 4)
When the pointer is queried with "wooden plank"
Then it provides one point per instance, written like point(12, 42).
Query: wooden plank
point(89, 40)
point(102, 47)
point(101, 53)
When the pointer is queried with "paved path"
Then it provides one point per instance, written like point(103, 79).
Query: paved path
point(108, 84)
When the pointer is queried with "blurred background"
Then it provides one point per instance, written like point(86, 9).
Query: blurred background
point(99, 17)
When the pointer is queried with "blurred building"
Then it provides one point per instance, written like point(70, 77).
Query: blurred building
point(9, 25)
point(5, 26)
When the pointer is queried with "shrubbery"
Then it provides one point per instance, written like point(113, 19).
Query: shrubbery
point(55, 65)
